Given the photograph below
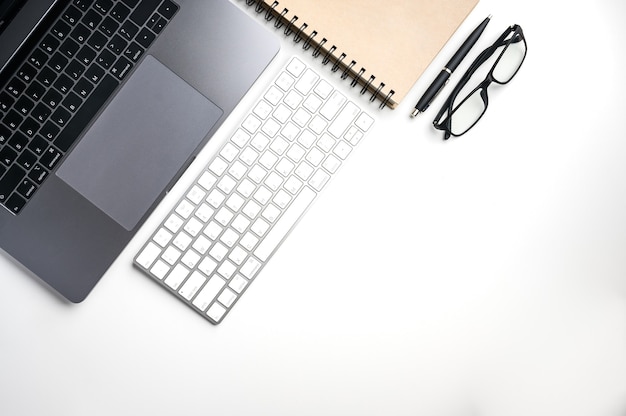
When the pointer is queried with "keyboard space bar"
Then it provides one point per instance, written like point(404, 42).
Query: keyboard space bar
point(87, 111)
point(284, 224)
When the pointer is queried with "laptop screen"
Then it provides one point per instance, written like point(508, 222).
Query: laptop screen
point(8, 10)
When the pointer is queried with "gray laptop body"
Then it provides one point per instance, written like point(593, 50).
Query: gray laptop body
point(139, 143)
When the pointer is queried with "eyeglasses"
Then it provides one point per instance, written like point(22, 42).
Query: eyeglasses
point(465, 109)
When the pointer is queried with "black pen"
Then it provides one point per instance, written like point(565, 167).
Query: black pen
point(444, 76)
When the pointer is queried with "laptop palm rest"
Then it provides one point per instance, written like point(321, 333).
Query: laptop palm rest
point(139, 143)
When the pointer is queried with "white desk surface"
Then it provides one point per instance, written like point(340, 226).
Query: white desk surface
point(482, 276)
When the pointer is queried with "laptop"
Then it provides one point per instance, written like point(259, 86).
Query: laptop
point(103, 105)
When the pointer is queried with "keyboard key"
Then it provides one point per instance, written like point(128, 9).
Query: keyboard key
point(109, 26)
point(38, 58)
point(121, 68)
point(168, 9)
point(69, 48)
point(143, 11)
point(15, 87)
point(176, 276)
point(10, 181)
point(58, 62)
point(192, 285)
point(333, 105)
point(49, 44)
point(92, 19)
point(97, 41)
point(80, 33)
point(208, 292)
point(134, 51)
point(287, 221)
point(120, 12)
point(103, 6)
point(148, 255)
point(7, 156)
point(6, 101)
point(61, 30)
point(128, 30)
point(15, 203)
point(72, 15)
point(216, 312)
point(13, 119)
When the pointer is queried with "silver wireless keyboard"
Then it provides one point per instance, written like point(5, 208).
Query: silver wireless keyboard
point(218, 237)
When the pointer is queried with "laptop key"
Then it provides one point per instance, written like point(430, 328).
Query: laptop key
point(69, 48)
point(10, 180)
point(86, 55)
point(94, 73)
point(61, 29)
point(26, 73)
point(49, 131)
point(168, 9)
point(117, 44)
point(12, 119)
point(143, 11)
point(92, 19)
point(5, 133)
point(47, 76)
point(82, 4)
point(27, 160)
point(7, 155)
point(27, 188)
point(106, 59)
point(103, 6)
point(83, 88)
point(87, 111)
point(61, 116)
point(109, 26)
point(49, 44)
point(63, 84)
point(15, 203)
point(29, 127)
point(15, 87)
point(72, 15)
point(6, 101)
point(38, 145)
point(121, 68)
point(128, 30)
point(35, 91)
point(75, 69)
point(120, 12)
point(130, 3)
point(134, 52)
point(38, 174)
point(51, 158)
point(18, 141)
point(58, 62)
point(80, 33)
point(145, 38)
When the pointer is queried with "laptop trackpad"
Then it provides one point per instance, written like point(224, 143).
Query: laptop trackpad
point(139, 143)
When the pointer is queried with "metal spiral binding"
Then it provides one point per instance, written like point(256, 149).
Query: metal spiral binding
point(298, 35)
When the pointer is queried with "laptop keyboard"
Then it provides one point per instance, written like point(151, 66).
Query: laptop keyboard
point(71, 72)
point(220, 234)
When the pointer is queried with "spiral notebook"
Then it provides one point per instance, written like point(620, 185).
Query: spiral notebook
point(381, 46)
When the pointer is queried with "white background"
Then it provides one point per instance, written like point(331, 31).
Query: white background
point(482, 276)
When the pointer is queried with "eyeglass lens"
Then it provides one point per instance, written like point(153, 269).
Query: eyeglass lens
point(470, 108)
point(510, 61)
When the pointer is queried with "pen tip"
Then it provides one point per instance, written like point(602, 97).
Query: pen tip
point(490, 16)
point(414, 113)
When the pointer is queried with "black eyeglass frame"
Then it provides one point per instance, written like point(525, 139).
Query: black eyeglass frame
point(516, 35)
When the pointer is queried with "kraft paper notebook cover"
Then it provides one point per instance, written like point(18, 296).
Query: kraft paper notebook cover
point(383, 46)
